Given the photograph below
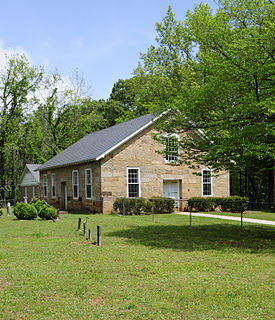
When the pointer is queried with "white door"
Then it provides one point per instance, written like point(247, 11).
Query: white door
point(171, 190)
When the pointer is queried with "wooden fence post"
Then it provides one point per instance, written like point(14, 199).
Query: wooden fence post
point(98, 236)
point(84, 228)
point(79, 224)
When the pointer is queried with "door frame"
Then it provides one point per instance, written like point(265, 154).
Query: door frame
point(178, 181)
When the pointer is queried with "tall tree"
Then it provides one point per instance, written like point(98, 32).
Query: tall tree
point(17, 81)
point(222, 68)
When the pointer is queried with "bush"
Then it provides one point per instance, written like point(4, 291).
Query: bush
point(129, 206)
point(1, 212)
point(25, 211)
point(47, 212)
point(163, 205)
point(232, 204)
point(44, 210)
point(201, 203)
point(38, 204)
point(124, 205)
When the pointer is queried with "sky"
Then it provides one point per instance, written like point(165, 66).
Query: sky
point(101, 39)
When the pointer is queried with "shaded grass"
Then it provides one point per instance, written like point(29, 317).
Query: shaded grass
point(144, 270)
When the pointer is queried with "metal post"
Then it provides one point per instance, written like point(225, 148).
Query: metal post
point(84, 228)
point(79, 224)
point(90, 234)
point(98, 236)
point(190, 219)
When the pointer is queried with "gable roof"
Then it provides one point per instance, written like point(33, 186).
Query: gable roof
point(34, 178)
point(98, 144)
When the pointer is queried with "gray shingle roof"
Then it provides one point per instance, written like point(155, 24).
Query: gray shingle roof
point(97, 144)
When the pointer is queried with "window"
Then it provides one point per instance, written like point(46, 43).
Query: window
point(88, 183)
point(45, 186)
point(206, 183)
point(53, 186)
point(133, 183)
point(171, 148)
point(75, 184)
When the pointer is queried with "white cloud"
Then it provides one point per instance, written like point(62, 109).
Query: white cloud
point(8, 52)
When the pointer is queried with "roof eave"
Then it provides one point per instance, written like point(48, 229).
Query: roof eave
point(65, 165)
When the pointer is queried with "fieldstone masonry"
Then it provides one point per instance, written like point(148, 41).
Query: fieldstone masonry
point(109, 177)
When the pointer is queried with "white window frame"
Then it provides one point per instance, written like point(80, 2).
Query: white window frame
point(33, 192)
point(211, 183)
point(77, 184)
point(53, 186)
point(86, 183)
point(139, 187)
point(166, 156)
point(45, 186)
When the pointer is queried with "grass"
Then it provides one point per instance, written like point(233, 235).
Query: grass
point(144, 270)
point(262, 215)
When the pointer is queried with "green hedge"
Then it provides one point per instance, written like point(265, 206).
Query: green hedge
point(130, 206)
point(225, 204)
point(163, 205)
point(25, 211)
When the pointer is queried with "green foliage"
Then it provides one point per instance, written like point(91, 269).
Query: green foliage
point(1, 212)
point(201, 203)
point(47, 212)
point(38, 204)
point(25, 211)
point(163, 205)
point(129, 206)
point(232, 204)
point(220, 68)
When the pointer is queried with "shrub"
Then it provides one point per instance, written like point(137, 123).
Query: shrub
point(201, 203)
point(129, 206)
point(163, 205)
point(1, 212)
point(47, 212)
point(25, 211)
point(38, 204)
point(233, 204)
point(44, 210)
point(124, 205)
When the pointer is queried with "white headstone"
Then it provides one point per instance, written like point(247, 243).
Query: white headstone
point(8, 208)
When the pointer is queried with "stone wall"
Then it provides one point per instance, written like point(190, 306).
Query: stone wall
point(64, 175)
point(29, 191)
point(140, 152)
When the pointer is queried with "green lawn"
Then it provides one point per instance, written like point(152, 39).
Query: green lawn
point(144, 270)
point(262, 215)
